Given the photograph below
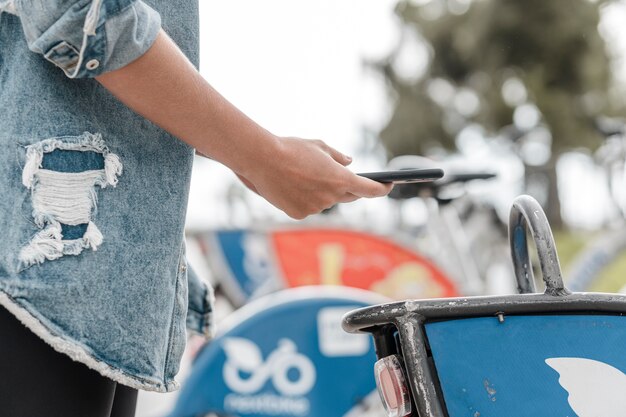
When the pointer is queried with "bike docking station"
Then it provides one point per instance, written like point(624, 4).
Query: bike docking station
point(547, 354)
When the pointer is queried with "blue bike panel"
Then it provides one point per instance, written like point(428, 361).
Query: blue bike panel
point(540, 366)
point(246, 256)
point(291, 359)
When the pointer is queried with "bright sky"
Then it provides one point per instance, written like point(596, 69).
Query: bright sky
point(295, 65)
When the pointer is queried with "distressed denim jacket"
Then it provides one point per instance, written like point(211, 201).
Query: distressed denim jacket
point(92, 196)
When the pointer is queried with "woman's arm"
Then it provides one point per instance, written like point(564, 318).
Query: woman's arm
point(301, 177)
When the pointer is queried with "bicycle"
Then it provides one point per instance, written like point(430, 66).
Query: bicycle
point(462, 234)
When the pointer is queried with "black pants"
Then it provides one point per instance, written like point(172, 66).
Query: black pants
point(37, 381)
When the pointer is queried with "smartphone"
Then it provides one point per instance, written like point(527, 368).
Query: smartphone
point(405, 176)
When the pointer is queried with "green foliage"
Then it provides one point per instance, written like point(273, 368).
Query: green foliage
point(570, 245)
point(553, 47)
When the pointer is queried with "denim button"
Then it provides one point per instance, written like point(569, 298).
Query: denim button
point(92, 64)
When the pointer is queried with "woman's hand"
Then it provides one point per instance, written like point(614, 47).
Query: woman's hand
point(304, 177)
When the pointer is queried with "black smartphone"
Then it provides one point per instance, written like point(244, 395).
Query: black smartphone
point(405, 176)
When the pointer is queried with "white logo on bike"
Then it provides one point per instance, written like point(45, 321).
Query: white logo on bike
point(595, 388)
point(245, 372)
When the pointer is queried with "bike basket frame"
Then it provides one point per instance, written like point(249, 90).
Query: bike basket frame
point(399, 328)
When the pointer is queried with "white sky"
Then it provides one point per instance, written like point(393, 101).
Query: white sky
point(295, 65)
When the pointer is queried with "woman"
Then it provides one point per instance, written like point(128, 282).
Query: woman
point(94, 174)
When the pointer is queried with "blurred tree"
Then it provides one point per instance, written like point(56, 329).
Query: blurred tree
point(539, 66)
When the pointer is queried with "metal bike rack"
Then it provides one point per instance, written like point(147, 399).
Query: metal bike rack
point(527, 213)
point(400, 327)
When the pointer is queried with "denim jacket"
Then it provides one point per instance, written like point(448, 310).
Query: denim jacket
point(92, 196)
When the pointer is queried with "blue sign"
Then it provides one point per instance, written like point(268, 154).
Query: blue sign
point(540, 366)
point(285, 355)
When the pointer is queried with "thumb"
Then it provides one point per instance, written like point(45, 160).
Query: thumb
point(364, 187)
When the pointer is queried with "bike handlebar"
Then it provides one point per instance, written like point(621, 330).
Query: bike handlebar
point(467, 177)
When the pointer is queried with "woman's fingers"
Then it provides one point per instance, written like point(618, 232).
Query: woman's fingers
point(343, 159)
point(305, 177)
point(359, 187)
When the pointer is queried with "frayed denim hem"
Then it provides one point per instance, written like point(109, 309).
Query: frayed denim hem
point(77, 352)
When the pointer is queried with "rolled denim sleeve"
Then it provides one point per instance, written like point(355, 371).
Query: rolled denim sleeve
point(86, 38)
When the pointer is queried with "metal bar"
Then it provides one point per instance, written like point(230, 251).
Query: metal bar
point(384, 342)
point(526, 212)
point(365, 319)
point(419, 374)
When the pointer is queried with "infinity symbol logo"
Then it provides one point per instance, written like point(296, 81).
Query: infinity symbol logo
point(244, 357)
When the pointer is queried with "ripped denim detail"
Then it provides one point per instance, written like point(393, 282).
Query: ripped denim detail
point(64, 200)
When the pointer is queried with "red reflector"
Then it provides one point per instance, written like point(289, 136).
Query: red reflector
point(392, 387)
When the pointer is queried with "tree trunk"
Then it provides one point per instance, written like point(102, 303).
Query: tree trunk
point(541, 183)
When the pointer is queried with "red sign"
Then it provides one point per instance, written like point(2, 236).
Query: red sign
point(354, 259)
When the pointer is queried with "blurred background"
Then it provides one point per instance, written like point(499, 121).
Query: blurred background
point(378, 79)
point(507, 96)
point(466, 82)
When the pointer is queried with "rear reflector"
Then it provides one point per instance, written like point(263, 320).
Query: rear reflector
point(392, 387)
